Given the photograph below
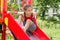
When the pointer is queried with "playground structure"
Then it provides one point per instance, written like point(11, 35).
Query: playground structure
point(7, 20)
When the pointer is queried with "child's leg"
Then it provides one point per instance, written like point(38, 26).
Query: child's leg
point(27, 25)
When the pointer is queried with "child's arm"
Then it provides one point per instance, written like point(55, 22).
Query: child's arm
point(35, 17)
point(20, 18)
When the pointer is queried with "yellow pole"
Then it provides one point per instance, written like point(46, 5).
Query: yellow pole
point(1, 4)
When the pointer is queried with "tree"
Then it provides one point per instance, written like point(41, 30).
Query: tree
point(42, 5)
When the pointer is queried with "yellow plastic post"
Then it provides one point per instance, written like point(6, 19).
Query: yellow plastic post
point(6, 21)
point(1, 4)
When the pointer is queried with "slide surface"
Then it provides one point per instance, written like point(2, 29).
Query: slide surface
point(38, 34)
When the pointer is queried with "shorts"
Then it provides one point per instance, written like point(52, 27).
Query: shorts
point(31, 28)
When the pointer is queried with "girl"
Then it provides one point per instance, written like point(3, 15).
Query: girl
point(27, 19)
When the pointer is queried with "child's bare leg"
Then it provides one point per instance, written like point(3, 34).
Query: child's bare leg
point(27, 25)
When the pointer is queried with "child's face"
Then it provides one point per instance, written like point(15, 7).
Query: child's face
point(28, 10)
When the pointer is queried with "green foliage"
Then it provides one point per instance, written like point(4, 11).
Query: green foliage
point(42, 5)
point(14, 5)
point(55, 18)
point(58, 15)
point(52, 19)
point(8, 37)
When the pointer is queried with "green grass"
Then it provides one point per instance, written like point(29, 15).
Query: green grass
point(50, 28)
point(8, 37)
point(52, 33)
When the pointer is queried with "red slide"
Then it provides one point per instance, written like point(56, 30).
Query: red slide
point(21, 35)
point(40, 34)
point(15, 28)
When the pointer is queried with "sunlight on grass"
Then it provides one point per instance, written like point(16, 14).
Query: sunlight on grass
point(51, 29)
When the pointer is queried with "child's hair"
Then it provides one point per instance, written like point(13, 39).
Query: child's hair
point(26, 6)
